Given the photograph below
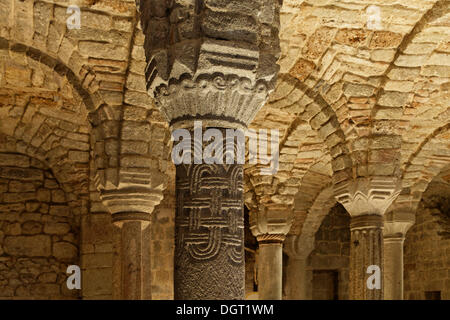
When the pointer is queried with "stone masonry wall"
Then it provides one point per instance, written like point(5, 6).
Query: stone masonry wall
point(427, 246)
point(332, 251)
point(38, 232)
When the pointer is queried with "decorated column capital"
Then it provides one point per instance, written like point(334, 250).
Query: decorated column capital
point(133, 203)
point(368, 195)
point(213, 61)
point(271, 225)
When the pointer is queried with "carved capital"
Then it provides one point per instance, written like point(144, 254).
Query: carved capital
point(210, 60)
point(132, 203)
point(271, 225)
point(397, 224)
point(366, 196)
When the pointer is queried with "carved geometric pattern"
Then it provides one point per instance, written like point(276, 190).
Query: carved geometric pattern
point(209, 213)
point(368, 195)
point(209, 224)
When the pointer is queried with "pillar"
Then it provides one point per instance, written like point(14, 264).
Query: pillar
point(270, 267)
point(270, 229)
point(207, 63)
point(396, 225)
point(366, 200)
point(132, 259)
point(131, 216)
point(209, 226)
point(366, 250)
point(298, 249)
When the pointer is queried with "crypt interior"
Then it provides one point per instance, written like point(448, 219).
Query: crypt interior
point(357, 89)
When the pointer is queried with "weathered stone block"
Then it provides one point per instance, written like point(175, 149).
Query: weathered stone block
point(56, 228)
point(31, 227)
point(65, 251)
point(31, 246)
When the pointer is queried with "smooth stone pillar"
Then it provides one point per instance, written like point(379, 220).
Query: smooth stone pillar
point(396, 225)
point(270, 267)
point(393, 268)
point(131, 262)
point(296, 274)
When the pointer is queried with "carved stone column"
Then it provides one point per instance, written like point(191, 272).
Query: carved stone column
point(366, 200)
point(270, 229)
point(296, 269)
point(209, 247)
point(396, 225)
point(366, 250)
point(214, 62)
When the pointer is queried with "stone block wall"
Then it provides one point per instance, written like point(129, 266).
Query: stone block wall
point(331, 253)
point(39, 235)
point(427, 247)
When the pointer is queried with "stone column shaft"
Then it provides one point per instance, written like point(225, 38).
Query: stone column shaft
point(213, 62)
point(131, 265)
point(209, 246)
point(270, 269)
point(297, 276)
point(270, 226)
point(396, 225)
point(366, 249)
point(298, 248)
point(393, 268)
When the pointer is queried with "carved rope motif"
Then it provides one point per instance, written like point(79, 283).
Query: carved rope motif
point(210, 211)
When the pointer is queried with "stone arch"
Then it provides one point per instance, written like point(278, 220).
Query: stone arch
point(300, 110)
point(46, 111)
point(423, 165)
point(316, 213)
point(76, 182)
point(330, 76)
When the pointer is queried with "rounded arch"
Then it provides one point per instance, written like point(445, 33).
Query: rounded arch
point(432, 155)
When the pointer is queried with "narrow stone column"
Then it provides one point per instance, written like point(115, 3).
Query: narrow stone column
point(212, 62)
point(297, 279)
point(131, 268)
point(270, 267)
point(396, 225)
point(366, 250)
point(366, 200)
point(298, 249)
point(270, 228)
point(131, 262)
